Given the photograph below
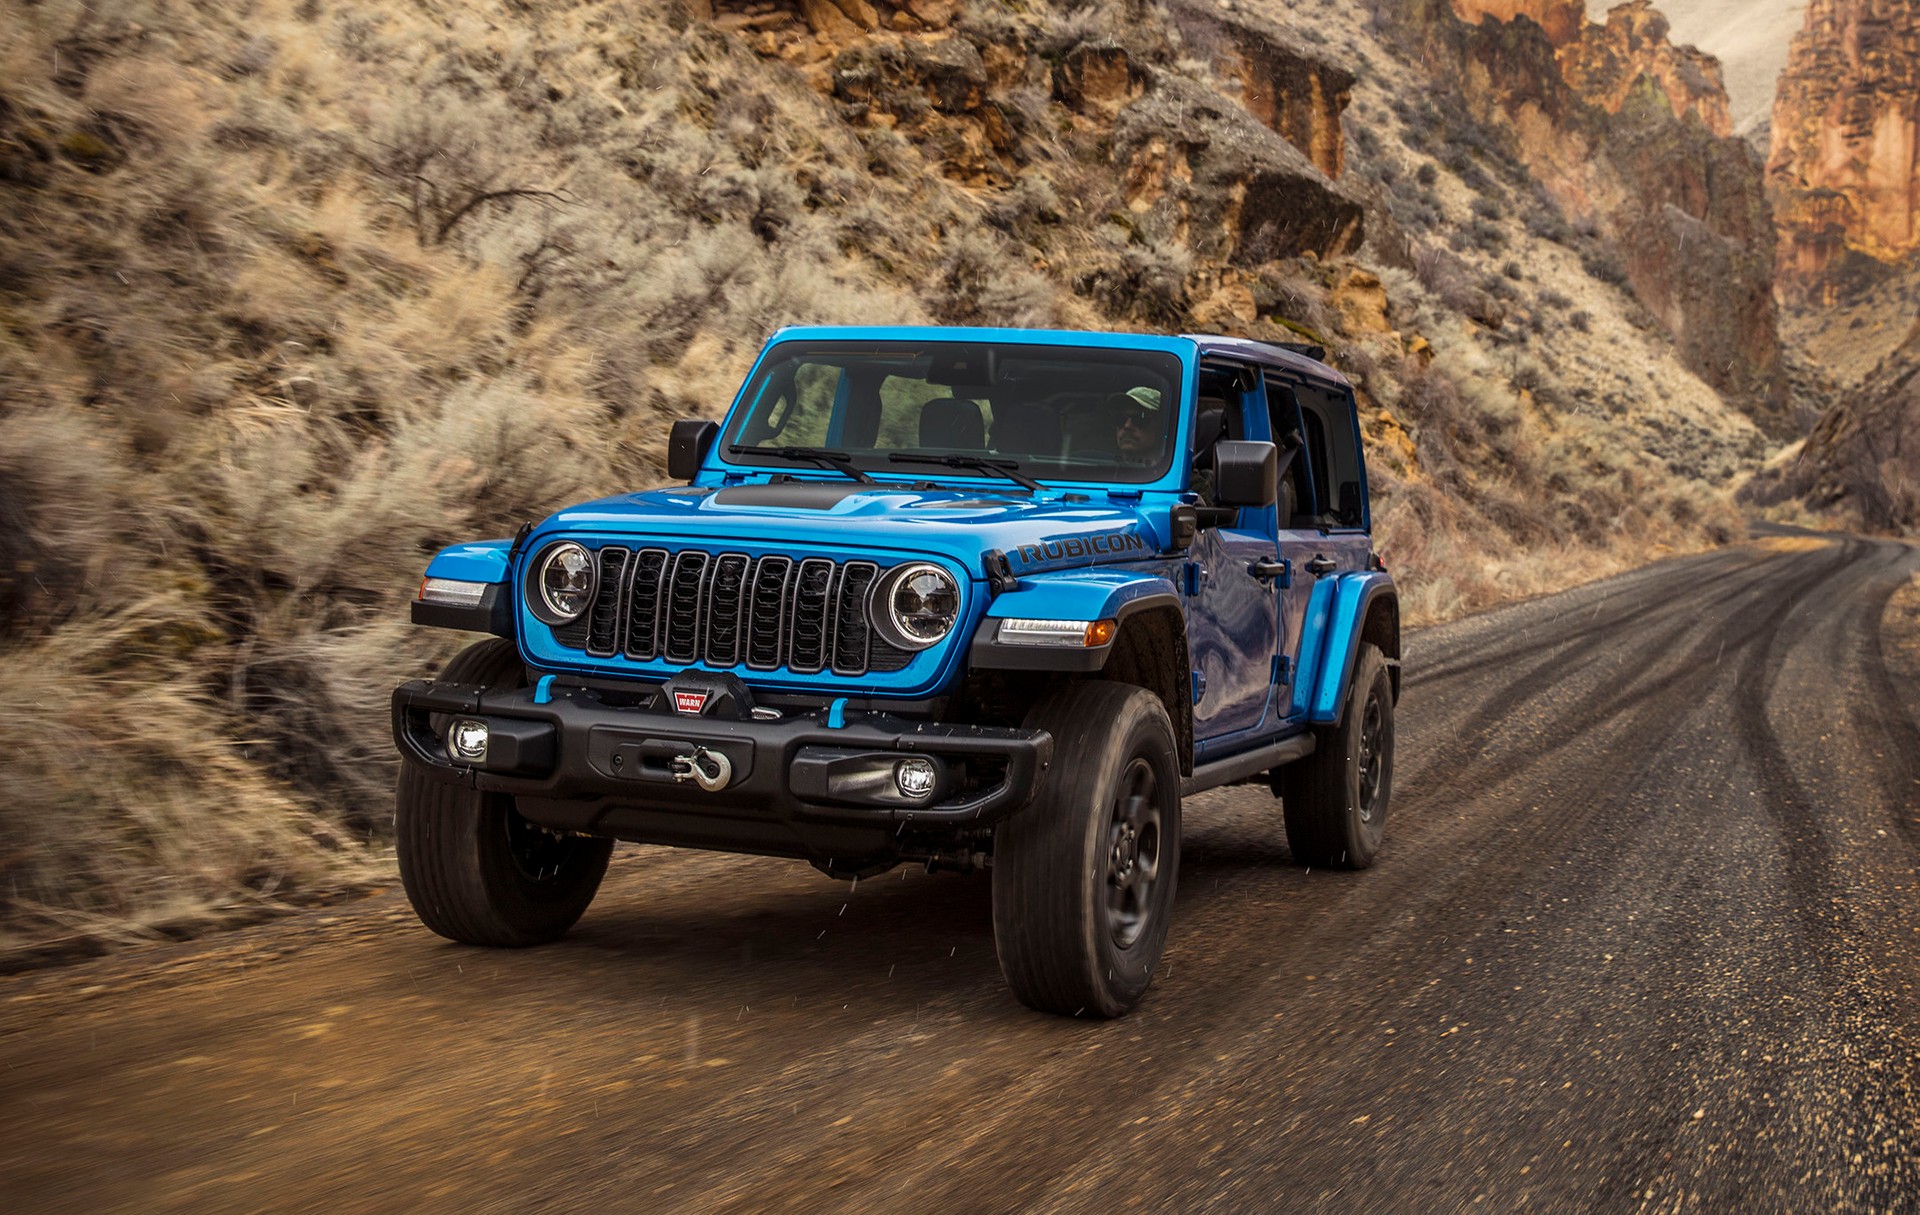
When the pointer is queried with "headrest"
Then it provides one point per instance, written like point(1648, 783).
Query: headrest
point(1026, 430)
point(951, 422)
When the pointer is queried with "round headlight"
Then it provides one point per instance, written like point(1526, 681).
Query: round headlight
point(563, 582)
point(918, 605)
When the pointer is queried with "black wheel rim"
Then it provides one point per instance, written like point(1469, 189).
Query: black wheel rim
point(538, 854)
point(1133, 853)
point(1371, 762)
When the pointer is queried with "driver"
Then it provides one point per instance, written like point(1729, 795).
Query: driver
point(1139, 425)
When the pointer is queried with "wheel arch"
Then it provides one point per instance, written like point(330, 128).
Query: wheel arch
point(1150, 652)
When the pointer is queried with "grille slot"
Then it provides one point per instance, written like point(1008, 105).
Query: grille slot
point(725, 598)
point(603, 618)
point(683, 606)
point(731, 610)
point(643, 603)
point(768, 612)
point(851, 632)
point(807, 649)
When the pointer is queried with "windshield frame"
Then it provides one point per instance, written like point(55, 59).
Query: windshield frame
point(1165, 359)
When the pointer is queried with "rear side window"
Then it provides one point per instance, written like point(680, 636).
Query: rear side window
point(1331, 486)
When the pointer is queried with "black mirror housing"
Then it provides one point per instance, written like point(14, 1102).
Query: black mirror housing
point(687, 447)
point(1246, 473)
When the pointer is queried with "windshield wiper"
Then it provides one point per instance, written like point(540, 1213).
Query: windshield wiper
point(840, 461)
point(1010, 469)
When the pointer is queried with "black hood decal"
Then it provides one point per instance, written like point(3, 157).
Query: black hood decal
point(797, 495)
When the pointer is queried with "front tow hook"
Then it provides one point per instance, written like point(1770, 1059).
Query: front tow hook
point(711, 770)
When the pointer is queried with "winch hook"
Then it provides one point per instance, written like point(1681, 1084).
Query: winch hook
point(711, 770)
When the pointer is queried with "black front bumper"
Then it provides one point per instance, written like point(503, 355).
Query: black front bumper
point(580, 761)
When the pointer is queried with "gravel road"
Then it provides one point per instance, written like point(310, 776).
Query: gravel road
point(1644, 937)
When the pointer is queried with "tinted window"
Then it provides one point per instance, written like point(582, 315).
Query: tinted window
point(1333, 455)
point(1060, 412)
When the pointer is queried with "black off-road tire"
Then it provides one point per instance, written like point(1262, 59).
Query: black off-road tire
point(1078, 929)
point(474, 869)
point(1336, 799)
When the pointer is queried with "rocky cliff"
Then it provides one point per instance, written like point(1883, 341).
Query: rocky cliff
point(1563, 20)
point(1844, 169)
point(1606, 63)
point(1631, 137)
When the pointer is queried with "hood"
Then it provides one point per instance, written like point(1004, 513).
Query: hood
point(1034, 531)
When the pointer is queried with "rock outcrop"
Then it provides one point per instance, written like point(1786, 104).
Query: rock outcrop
point(1563, 20)
point(1843, 172)
point(1203, 174)
point(1297, 94)
point(1863, 456)
point(1228, 185)
point(1607, 63)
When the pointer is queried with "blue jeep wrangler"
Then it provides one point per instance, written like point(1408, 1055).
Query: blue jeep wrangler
point(962, 597)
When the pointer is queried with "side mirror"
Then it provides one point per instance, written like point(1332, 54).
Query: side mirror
point(687, 447)
point(1245, 473)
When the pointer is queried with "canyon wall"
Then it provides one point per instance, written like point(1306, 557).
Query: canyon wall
point(1841, 172)
point(1631, 137)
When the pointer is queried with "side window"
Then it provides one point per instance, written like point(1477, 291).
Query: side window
point(1292, 433)
point(1218, 416)
point(1333, 449)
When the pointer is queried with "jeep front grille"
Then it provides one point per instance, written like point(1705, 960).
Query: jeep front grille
point(734, 610)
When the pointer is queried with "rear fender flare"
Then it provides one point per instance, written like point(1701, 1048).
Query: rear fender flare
point(1337, 623)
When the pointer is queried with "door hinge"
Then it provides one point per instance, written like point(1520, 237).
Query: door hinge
point(1199, 686)
point(1282, 670)
point(1192, 574)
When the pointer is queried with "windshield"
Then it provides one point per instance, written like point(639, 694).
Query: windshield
point(1061, 412)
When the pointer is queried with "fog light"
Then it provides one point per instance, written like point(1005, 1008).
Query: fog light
point(467, 739)
point(914, 777)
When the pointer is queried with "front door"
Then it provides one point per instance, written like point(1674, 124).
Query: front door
point(1233, 619)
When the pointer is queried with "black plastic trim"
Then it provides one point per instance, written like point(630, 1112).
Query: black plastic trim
point(988, 653)
point(1230, 769)
point(493, 614)
point(610, 758)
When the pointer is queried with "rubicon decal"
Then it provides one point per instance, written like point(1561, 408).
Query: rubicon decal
point(689, 703)
point(1032, 556)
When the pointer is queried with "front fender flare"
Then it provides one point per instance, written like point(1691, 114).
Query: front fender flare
point(1087, 595)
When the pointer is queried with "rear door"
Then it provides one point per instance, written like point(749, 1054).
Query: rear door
point(1326, 533)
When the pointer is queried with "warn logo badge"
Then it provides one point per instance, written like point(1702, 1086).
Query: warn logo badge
point(689, 703)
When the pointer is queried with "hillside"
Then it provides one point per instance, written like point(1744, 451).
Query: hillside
point(294, 292)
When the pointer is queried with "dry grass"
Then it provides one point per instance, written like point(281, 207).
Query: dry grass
point(292, 294)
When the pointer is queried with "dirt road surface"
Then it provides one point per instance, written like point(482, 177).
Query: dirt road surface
point(1644, 937)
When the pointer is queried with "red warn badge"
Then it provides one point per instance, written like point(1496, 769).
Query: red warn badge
point(689, 702)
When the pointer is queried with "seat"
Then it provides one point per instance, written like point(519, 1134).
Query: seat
point(1209, 426)
point(1026, 430)
point(949, 422)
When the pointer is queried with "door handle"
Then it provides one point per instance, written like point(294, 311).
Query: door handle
point(1320, 566)
point(1266, 569)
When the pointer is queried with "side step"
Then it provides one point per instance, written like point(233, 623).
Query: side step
point(1235, 768)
